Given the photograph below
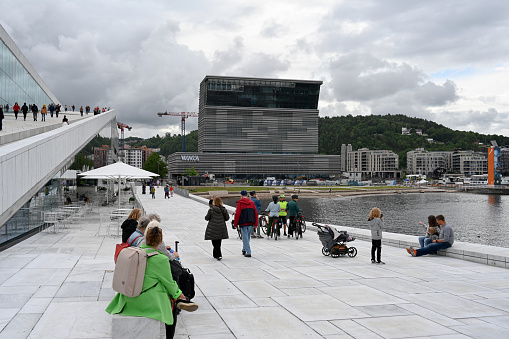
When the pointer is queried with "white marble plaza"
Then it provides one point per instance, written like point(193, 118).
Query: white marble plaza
point(58, 285)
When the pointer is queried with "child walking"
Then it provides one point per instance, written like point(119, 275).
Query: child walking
point(376, 225)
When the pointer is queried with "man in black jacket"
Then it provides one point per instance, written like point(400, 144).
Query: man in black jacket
point(24, 109)
point(35, 110)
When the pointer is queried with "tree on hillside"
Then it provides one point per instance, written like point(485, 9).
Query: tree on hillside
point(155, 164)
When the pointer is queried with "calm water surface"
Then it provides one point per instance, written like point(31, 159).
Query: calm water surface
point(475, 218)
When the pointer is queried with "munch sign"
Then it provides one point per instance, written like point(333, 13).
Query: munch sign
point(190, 158)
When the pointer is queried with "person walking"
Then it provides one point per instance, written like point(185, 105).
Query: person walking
point(293, 210)
point(81, 110)
point(171, 191)
point(166, 192)
point(24, 109)
point(44, 111)
point(216, 231)
point(73, 107)
point(282, 215)
point(15, 108)
point(273, 208)
point(376, 224)
point(35, 110)
point(246, 217)
point(153, 191)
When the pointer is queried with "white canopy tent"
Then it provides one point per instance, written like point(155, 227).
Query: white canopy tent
point(119, 171)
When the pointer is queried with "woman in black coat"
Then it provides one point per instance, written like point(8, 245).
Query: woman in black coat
point(216, 228)
point(129, 225)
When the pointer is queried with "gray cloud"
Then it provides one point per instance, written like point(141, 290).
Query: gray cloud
point(374, 57)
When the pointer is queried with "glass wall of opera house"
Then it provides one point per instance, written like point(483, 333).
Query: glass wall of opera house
point(34, 154)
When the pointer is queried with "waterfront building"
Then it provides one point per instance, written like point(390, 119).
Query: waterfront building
point(344, 157)
point(504, 161)
point(382, 164)
point(133, 155)
point(425, 162)
point(32, 159)
point(257, 127)
point(469, 163)
point(252, 115)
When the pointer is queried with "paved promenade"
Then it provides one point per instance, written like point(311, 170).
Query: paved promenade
point(13, 130)
point(58, 285)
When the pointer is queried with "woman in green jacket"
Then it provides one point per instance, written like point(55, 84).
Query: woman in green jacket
point(158, 286)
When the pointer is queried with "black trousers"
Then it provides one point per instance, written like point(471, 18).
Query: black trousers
point(216, 252)
point(170, 329)
point(376, 245)
point(292, 227)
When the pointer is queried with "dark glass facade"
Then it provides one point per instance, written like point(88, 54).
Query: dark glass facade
point(261, 93)
point(18, 81)
point(247, 115)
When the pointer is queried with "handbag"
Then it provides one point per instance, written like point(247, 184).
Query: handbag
point(120, 247)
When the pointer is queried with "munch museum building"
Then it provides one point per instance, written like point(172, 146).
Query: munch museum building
point(253, 128)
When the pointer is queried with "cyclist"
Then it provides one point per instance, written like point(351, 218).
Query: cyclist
point(293, 210)
point(258, 205)
point(274, 208)
point(284, 211)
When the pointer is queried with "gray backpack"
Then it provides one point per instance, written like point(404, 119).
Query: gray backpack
point(130, 271)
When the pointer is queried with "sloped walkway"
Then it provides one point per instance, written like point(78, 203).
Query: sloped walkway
point(58, 285)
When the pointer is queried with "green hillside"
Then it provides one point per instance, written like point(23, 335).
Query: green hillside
point(384, 132)
point(372, 131)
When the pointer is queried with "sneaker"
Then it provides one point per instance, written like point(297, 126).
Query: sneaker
point(413, 253)
point(185, 305)
point(247, 255)
point(372, 261)
point(243, 252)
point(219, 258)
point(380, 262)
point(408, 250)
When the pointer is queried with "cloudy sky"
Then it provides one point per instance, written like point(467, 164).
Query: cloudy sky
point(446, 61)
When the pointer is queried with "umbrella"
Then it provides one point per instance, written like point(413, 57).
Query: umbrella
point(119, 171)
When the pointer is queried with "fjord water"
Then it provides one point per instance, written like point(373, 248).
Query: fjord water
point(475, 218)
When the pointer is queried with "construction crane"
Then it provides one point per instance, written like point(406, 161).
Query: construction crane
point(184, 116)
point(122, 126)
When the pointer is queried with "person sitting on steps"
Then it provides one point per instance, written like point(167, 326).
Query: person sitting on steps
point(445, 240)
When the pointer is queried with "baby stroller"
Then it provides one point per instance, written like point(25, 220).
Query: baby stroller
point(334, 241)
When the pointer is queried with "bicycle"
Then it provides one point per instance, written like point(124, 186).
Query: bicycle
point(300, 225)
point(275, 227)
point(262, 222)
point(233, 226)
